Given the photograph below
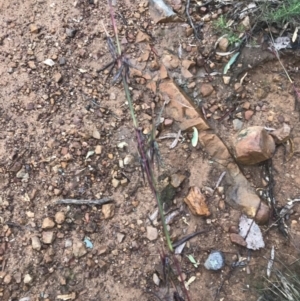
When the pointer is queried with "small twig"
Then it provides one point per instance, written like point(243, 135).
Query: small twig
point(84, 202)
point(188, 237)
point(220, 180)
point(190, 19)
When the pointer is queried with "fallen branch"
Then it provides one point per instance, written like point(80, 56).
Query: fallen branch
point(84, 202)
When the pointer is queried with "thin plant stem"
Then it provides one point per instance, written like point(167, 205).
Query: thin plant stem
point(142, 152)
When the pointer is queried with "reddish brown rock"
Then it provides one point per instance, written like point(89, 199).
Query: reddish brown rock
point(163, 73)
point(187, 64)
point(196, 202)
point(186, 73)
point(248, 114)
point(238, 239)
point(206, 89)
point(142, 37)
point(214, 146)
point(253, 145)
point(233, 229)
point(170, 61)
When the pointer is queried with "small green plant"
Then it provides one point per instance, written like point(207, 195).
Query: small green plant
point(220, 23)
point(221, 26)
point(285, 11)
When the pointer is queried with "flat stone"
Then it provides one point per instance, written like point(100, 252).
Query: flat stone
point(108, 210)
point(226, 80)
point(29, 106)
point(160, 12)
point(281, 135)
point(198, 123)
point(57, 77)
point(115, 183)
point(128, 159)
point(187, 64)
point(35, 243)
point(120, 237)
point(206, 89)
point(60, 217)
point(48, 223)
point(7, 279)
point(142, 37)
point(177, 179)
point(248, 114)
point(246, 105)
point(34, 28)
point(241, 195)
point(27, 279)
point(170, 61)
point(186, 73)
point(196, 202)
point(163, 73)
point(237, 124)
point(48, 237)
point(71, 32)
point(253, 145)
point(223, 44)
point(152, 233)
point(214, 147)
point(178, 99)
point(96, 134)
point(57, 191)
point(168, 122)
point(238, 87)
point(78, 249)
point(32, 65)
point(62, 61)
point(238, 240)
point(98, 149)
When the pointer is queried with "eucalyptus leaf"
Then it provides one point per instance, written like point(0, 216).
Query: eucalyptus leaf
point(193, 260)
point(89, 154)
point(195, 137)
point(230, 62)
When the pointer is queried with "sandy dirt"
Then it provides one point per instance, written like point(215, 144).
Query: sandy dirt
point(60, 131)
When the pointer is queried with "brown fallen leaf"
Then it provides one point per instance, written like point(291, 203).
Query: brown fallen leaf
point(196, 202)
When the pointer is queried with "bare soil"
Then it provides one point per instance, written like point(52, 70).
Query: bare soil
point(53, 117)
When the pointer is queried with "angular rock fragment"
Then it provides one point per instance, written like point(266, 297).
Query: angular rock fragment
point(196, 202)
point(240, 195)
point(48, 223)
point(177, 179)
point(79, 249)
point(160, 12)
point(152, 233)
point(238, 239)
point(281, 135)
point(48, 237)
point(253, 145)
point(108, 210)
point(35, 243)
point(206, 89)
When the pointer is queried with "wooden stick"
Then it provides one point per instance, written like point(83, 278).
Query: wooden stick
point(84, 202)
